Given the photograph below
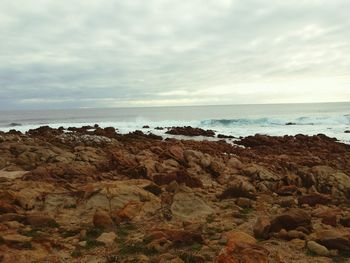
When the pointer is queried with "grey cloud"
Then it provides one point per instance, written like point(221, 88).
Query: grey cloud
point(129, 53)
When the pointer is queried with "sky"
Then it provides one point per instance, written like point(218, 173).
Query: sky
point(114, 53)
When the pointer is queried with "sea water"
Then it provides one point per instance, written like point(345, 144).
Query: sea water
point(332, 119)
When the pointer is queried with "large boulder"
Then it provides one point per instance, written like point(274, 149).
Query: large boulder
point(189, 206)
point(291, 220)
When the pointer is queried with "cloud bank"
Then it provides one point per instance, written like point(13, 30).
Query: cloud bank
point(113, 53)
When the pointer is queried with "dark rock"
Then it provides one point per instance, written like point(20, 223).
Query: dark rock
point(314, 199)
point(190, 131)
point(291, 220)
point(180, 176)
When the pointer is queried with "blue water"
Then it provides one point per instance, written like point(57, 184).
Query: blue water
point(331, 119)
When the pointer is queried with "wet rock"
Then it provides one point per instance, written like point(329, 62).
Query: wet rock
point(189, 131)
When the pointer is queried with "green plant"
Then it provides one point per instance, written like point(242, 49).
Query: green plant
point(69, 233)
point(124, 229)
point(135, 248)
point(93, 233)
point(35, 232)
point(92, 243)
point(188, 258)
point(195, 247)
point(310, 253)
point(70, 206)
point(342, 257)
point(76, 253)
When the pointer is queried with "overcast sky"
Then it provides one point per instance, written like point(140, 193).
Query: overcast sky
point(117, 53)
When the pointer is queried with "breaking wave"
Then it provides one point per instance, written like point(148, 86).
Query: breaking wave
point(326, 120)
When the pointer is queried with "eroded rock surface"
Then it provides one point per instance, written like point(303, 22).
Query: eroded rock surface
point(92, 195)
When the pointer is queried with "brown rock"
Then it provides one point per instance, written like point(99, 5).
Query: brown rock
point(334, 239)
point(314, 199)
point(5, 207)
point(180, 176)
point(40, 220)
point(345, 221)
point(103, 220)
point(262, 227)
point(242, 248)
point(291, 220)
point(239, 188)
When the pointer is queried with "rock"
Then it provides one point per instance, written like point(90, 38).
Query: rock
point(129, 211)
point(244, 202)
point(317, 248)
point(332, 181)
point(262, 227)
point(103, 220)
point(288, 201)
point(13, 224)
point(16, 238)
point(242, 248)
point(180, 176)
point(5, 207)
point(255, 171)
point(239, 188)
point(334, 239)
point(107, 238)
point(177, 153)
point(238, 238)
point(287, 190)
point(314, 199)
point(189, 131)
point(189, 206)
point(345, 221)
point(41, 220)
point(291, 220)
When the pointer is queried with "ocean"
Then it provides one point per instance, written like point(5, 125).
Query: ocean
point(332, 119)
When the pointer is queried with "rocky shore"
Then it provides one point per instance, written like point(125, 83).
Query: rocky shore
point(92, 195)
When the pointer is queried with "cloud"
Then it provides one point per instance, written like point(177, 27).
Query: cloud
point(111, 53)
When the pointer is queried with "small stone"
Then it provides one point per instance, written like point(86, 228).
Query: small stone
point(13, 224)
point(107, 238)
point(317, 248)
point(82, 243)
point(16, 238)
